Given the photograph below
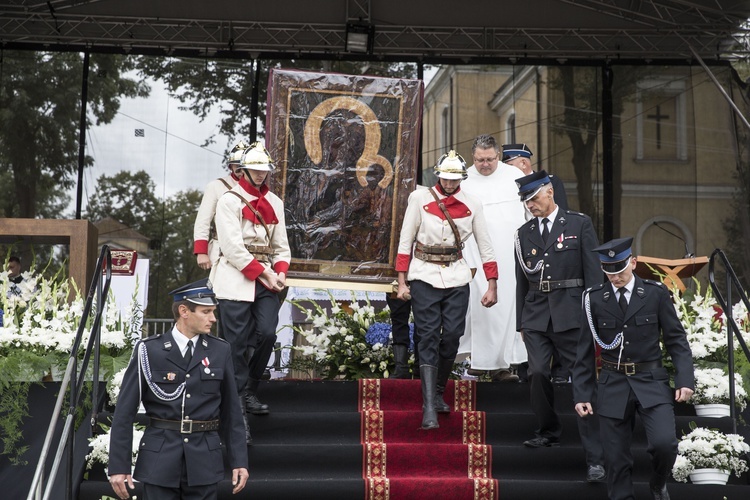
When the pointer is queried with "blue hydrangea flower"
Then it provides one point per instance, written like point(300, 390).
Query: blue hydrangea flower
point(378, 333)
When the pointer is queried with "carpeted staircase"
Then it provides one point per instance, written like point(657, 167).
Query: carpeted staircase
point(322, 438)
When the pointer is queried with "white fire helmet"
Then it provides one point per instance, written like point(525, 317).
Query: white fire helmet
point(451, 166)
point(257, 158)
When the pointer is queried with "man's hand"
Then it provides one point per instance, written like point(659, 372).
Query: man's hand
point(119, 483)
point(203, 261)
point(239, 478)
point(683, 394)
point(584, 409)
point(489, 298)
point(403, 293)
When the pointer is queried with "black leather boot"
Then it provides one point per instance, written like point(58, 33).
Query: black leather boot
point(252, 403)
point(428, 374)
point(248, 437)
point(444, 369)
point(401, 357)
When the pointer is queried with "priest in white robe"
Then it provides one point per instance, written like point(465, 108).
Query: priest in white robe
point(491, 340)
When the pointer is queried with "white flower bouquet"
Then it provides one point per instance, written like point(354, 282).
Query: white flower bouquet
point(712, 386)
point(710, 448)
point(350, 342)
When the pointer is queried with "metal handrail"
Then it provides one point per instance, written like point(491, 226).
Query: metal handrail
point(99, 289)
point(732, 328)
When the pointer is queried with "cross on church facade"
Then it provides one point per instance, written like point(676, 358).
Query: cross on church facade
point(658, 117)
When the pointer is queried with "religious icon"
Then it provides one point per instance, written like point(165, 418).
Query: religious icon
point(347, 154)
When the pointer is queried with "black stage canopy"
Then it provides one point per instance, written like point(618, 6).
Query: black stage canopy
point(469, 31)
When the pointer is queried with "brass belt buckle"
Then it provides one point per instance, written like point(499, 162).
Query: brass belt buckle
point(188, 429)
point(544, 286)
point(629, 369)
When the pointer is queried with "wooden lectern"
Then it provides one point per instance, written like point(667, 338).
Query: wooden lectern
point(675, 269)
point(80, 235)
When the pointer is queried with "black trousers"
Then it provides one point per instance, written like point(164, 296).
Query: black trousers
point(440, 318)
point(540, 347)
point(617, 434)
point(250, 324)
point(400, 312)
point(183, 492)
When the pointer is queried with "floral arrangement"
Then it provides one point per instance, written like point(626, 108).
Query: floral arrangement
point(39, 325)
point(710, 448)
point(712, 386)
point(704, 323)
point(350, 342)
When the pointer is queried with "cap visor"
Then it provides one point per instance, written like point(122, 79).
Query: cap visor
point(615, 267)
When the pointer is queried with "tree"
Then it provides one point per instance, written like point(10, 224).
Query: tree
point(39, 121)
point(127, 197)
point(173, 263)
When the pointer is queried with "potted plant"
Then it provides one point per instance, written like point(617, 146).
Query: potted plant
point(708, 456)
point(711, 397)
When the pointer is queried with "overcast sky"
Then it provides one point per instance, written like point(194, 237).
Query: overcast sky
point(169, 151)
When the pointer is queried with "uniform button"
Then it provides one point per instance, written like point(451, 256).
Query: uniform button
point(549, 277)
point(624, 326)
point(187, 417)
point(213, 374)
point(628, 359)
point(445, 239)
point(186, 440)
point(546, 265)
point(187, 396)
point(187, 375)
point(442, 265)
point(546, 254)
point(627, 343)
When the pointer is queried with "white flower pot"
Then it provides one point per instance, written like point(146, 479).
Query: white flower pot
point(709, 476)
point(712, 410)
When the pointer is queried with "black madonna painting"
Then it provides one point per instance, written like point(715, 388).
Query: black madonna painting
point(346, 154)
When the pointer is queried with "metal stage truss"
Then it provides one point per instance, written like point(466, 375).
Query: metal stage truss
point(470, 31)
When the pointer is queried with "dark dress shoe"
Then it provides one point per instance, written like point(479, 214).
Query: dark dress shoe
point(660, 493)
point(254, 406)
point(596, 474)
point(540, 442)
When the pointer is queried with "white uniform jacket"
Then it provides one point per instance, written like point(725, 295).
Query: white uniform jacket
point(234, 276)
point(202, 244)
point(425, 222)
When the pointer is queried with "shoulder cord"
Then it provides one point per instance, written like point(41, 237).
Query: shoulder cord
point(257, 214)
point(618, 338)
point(456, 234)
point(519, 254)
point(143, 364)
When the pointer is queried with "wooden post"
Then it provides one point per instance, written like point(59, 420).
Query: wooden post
point(80, 235)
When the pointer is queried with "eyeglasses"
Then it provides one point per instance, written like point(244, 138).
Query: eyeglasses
point(478, 161)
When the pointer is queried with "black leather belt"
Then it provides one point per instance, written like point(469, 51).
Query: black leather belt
point(185, 426)
point(631, 368)
point(548, 286)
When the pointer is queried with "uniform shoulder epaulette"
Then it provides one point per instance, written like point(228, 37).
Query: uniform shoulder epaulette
point(214, 337)
point(573, 212)
point(595, 288)
point(151, 337)
point(653, 282)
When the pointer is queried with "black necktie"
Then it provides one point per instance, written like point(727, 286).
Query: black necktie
point(188, 353)
point(623, 301)
point(545, 229)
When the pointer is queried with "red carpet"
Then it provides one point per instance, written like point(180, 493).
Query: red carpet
point(402, 461)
